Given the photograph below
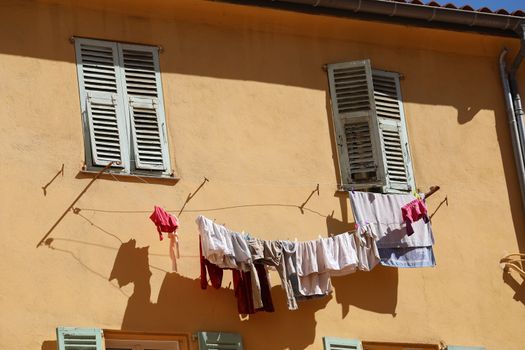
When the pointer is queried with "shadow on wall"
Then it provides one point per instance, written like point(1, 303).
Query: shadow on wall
point(518, 287)
point(49, 345)
point(183, 307)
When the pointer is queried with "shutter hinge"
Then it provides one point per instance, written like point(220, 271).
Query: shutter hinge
point(114, 98)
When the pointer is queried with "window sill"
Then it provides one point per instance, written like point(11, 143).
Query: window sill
point(140, 178)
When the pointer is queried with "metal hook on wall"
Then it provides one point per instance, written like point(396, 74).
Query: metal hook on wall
point(192, 194)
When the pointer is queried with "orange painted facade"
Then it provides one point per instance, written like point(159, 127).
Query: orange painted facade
point(247, 106)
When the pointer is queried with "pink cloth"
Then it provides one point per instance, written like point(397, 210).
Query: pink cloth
point(413, 212)
point(166, 222)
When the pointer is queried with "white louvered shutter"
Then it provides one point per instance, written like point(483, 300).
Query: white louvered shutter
point(220, 341)
point(370, 127)
point(100, 98)
point(356, 130)
point(144, 102)
point(331, 343)
point(392, 132)
point(69, 338)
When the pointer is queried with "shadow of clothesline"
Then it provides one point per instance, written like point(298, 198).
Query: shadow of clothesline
point(78, 260)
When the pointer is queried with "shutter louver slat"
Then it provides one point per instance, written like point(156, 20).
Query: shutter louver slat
point(351, 89)
point(393, 140)
point(370, 127)
point(98, 67)
point(104, 130)
point(352, 105)
point(147, 136)
point(143, 90)
point(140, 64)
point(360, 151)
point(79, 338)
point(100, 97)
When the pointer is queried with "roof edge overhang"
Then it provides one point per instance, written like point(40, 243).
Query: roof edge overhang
point(412, 14)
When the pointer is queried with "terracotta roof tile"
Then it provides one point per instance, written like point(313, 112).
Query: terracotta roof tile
point(450, 5)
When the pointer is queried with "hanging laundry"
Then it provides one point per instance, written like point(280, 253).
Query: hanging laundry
point(366, 246)
point(380, 216)
point(408, 257)
point(338, 254)
point(271, 253)
point(217, 245)
point(164, 221)
point(207, 268)
point(313, 281)
point(168, 223)
point(227, 249)
point(242, 285)
point(413, 212)
point(290, 257)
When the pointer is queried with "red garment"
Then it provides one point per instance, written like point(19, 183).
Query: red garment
point(242, 284)
point(413, 212)
point(214, 271)
point(164, 221)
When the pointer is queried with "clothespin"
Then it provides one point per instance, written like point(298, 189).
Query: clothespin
point(416, 194)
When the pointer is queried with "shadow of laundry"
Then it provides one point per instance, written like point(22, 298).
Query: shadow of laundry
point(183, 307)
point(374, 291)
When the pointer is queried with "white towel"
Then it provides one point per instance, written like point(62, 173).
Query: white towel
point(382, 214)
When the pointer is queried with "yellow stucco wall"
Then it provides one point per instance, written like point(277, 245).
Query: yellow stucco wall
point(247, 107)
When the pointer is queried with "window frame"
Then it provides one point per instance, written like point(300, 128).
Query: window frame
point(123, 111)
point(155, 339)
point(346, 114)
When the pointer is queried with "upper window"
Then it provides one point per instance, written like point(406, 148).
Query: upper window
point(122, 107)
point(370, 128)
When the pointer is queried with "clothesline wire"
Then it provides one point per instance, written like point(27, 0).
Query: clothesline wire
point(203, 210)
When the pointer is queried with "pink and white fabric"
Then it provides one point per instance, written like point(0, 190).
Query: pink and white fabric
point(169, 224)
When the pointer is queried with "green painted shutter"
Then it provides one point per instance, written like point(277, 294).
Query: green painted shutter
point(220, 341)
point(370, 127)
point(144, 102)
point(69, 338)
point(453, 347)
point(392, 132)
point(331, 343)
point(354, 123)
point(101, 102)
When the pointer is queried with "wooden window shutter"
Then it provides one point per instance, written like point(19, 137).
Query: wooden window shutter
point(453, 347)
point(331, 343)
point(79, 338)
point(392, 132)
point(219, 341)
point(101, 103)
point(144, 103)
point(356, 131)
point(370, 127)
